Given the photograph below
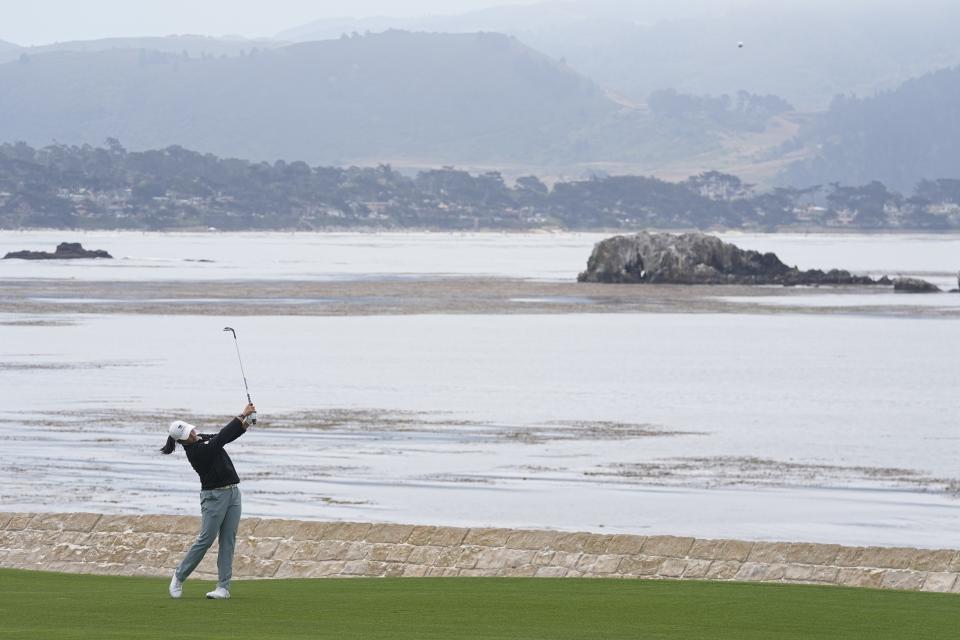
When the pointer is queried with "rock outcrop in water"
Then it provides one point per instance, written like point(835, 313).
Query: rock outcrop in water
point(697, 258)
point(64, 251)
point(914, 285)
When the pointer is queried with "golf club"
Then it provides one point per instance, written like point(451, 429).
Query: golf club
point(253, 416)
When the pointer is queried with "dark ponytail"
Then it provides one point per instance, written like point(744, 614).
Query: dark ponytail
point(169, 447)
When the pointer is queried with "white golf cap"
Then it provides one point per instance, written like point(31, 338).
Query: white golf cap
point(180, 430)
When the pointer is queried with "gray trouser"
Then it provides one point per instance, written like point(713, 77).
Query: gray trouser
point(220, 510)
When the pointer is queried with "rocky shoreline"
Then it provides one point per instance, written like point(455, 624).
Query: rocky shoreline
point(60, 300)
point(152, 545)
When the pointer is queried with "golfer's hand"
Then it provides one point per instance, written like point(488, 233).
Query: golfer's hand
point(247, 410)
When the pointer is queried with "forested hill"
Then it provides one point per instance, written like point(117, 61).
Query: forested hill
point(805, 51)
point(897, 137)
point(437, 97)
point(174, 188)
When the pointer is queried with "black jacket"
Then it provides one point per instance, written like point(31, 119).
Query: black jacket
point(210, 461)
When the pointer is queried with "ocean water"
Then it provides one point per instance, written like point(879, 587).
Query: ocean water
point(831, 427)
point(332, 256)
point(304, 256)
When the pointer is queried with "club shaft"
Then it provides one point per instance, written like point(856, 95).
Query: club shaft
point(242, 373)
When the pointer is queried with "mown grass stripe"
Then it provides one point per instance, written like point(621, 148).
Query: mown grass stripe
point(51, 605)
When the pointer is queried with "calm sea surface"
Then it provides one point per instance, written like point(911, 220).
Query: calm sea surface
point(544, 256)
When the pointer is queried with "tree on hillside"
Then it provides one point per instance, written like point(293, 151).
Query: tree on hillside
point(871, 205)
point(719, 186)
point(941, 191)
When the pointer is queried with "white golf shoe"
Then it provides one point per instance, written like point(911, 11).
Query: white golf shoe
point(176, 587)
point(218, 594)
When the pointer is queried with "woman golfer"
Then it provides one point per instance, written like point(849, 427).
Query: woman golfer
point(219, 498)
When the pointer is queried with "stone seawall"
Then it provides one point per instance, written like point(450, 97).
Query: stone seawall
point(153, 545)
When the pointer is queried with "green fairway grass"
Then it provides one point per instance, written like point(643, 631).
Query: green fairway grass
point(40, 605)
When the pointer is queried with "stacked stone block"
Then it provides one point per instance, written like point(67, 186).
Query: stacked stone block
point(154, 544)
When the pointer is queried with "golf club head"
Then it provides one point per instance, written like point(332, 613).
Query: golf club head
point(230, 329)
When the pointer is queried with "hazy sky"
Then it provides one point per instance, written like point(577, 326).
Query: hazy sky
point(29, 22)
